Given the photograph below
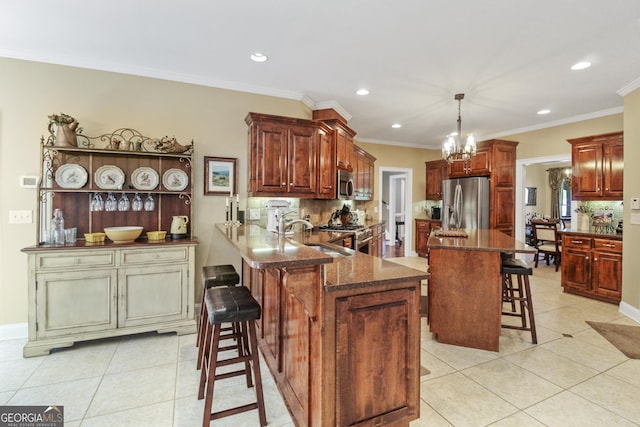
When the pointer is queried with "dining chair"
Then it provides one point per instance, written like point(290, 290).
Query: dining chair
point(547, 240)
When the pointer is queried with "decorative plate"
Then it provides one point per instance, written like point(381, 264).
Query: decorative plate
point(71, 175)
point(145, 178)
point(109, 177)
point(175, 180)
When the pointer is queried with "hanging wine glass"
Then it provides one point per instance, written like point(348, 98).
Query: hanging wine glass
point(111, 204)
point(136, 205)
point(149, 203)
point(97, 204)
point(123, 203)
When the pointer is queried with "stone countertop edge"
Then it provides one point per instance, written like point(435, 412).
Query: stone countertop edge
point(590, 233)
point(481, 240)
point(263, 249)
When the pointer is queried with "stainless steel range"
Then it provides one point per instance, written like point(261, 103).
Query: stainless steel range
point(361, 234)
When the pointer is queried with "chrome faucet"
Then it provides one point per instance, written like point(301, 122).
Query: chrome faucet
point(284, 225)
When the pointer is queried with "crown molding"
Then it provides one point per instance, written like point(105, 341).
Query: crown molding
point(333, 104)
point(626, 90)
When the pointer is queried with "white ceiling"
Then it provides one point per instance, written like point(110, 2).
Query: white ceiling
point(510, 58)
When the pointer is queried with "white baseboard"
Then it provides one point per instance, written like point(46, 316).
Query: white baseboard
point(630, 311)
point(14, 331)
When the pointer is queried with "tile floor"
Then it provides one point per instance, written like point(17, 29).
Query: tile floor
point(573, 377)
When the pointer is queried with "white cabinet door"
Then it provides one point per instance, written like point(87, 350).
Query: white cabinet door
point(72, 302)
point(153, 294)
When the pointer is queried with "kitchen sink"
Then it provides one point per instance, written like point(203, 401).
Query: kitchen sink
point(334, 251)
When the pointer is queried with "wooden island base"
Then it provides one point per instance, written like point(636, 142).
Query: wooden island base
point(341, 336)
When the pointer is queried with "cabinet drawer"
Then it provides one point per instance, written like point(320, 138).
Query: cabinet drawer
point(422, 224)
point(75, 259)
point(576, 242)
point(160, 255)
point(608, 245)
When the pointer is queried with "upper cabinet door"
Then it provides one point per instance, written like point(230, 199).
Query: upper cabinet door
point(302, 160)
point(613, 162)
point(326, 165)
point(271, 158)
point(597, 167)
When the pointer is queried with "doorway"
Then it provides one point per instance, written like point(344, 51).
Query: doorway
point(521, 166)
point(395, 203)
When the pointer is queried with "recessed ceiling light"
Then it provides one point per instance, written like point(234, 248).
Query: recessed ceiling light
point(259, 57)
point(545, 111)
point(581, 65)
point(362, 92)
point(396, 125)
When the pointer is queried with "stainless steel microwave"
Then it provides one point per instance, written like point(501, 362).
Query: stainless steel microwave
point(344, 185)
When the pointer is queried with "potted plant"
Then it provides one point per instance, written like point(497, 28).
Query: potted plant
point(65, 130)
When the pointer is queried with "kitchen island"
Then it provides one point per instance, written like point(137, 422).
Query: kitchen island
point(465, 287)
point(339, 331)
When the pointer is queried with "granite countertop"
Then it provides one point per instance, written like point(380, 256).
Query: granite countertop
point(108, 244)
point(592, 233)
point(426, 218)
point(263, 249)
point(480, 240)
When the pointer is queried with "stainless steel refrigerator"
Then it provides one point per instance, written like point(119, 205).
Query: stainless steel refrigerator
point(465, 203)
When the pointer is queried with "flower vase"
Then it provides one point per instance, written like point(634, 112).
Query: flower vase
point(584, 222)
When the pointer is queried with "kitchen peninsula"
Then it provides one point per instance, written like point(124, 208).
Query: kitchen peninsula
point(465, 287)
point(340, 333)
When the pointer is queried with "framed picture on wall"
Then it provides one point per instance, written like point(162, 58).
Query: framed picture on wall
point(220, 176)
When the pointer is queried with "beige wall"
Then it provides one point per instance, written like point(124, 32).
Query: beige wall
point(103, 102)
point(631, 239)
point(214, 119)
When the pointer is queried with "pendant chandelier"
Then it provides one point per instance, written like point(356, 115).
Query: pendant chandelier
point(453, 149)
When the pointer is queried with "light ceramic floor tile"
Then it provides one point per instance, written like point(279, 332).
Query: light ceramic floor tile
point(187, 349)
point(594, 338)
point(15, 373)
point(585, 353)
point(552, 367)
point(188, 412)
point(75, 396)
point(612, 393)
point(463, 402)
point(565, 320)
point(458, 357)
point(72, 365)
point(143, 351)
point(157, 415)
point(429, 418)
point(514, 384)
point(628, 371)
point(5, 396)
point(77, 423)
point(187, 380)
point(131, 389)
point(436, 367)
point(518, 420)
point(12, 349)
point(569, 410)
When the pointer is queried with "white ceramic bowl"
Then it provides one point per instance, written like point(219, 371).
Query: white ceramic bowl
point(125, 234)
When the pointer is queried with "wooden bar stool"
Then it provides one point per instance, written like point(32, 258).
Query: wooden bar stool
point(231, 305)
point(519, 292)
point(214, 276)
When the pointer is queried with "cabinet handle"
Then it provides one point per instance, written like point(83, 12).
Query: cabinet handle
point(587, 258)
point(291, 184)
point(577, 241)
point(284, 183)
point(595, 259)
point(609, 245)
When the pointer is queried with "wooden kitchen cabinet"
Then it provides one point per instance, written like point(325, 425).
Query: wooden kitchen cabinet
point(77, 294)
point(363, 174)
point(592, 267)
point(436, 171)
point(478, 165)
point(343, 136)
point(318, 346)
point(423, 231)
point(597, 167)
point(289, 157)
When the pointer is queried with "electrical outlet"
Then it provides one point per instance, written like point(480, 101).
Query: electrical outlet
point(254, 214)
point(20, 217)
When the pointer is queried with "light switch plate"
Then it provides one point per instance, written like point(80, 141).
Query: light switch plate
point(20, 217)
point(635, 203)
point(254, 214)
